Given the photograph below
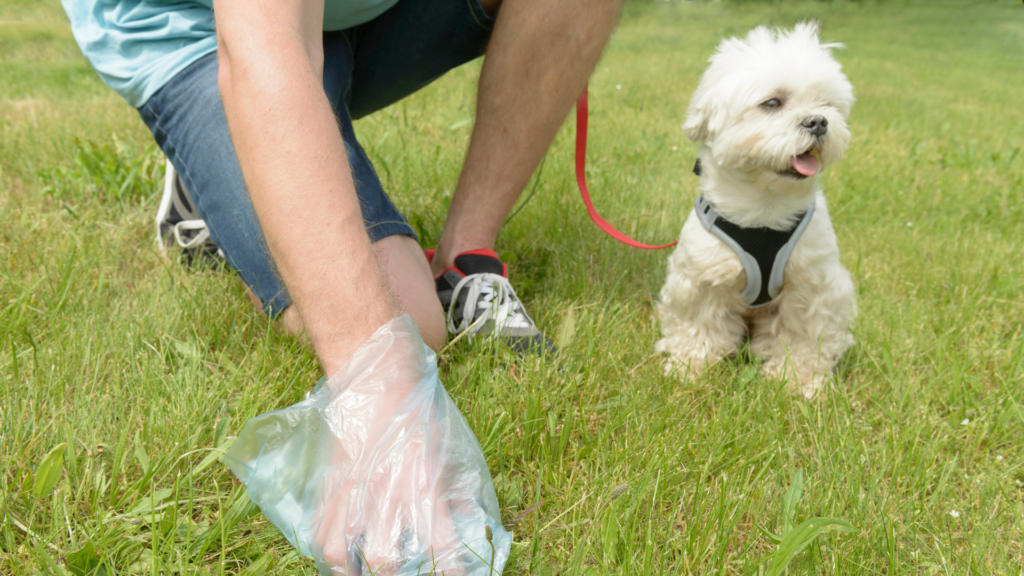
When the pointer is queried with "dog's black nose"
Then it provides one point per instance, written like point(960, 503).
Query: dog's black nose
point(816, 125)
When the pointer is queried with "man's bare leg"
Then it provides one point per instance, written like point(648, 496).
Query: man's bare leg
point(538, 60)
point(406, 270)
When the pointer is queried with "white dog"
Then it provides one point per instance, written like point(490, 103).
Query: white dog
point(758, 254)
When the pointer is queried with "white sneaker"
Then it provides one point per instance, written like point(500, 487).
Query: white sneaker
point(177, 218)
point(479, 300)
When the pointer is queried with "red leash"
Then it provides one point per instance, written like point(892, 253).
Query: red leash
point(581, 179)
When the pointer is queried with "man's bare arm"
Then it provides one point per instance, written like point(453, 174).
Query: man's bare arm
point(294, 163)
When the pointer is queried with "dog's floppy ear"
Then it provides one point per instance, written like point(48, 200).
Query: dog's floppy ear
point(696, 126)
point(702, 116)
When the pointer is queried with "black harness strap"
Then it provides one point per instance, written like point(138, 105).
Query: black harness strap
point(763, 251)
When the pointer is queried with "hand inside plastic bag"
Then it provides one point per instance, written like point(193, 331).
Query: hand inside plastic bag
point(377, 471)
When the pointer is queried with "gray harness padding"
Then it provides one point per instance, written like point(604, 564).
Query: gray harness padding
point(763, 251)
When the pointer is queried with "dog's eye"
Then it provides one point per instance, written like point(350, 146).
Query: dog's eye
point(772, 104)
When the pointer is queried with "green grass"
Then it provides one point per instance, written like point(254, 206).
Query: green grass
point(121, 372)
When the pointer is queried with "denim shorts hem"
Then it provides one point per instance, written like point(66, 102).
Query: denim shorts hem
point(483, 19)
point(381, 230)
point(277, 305)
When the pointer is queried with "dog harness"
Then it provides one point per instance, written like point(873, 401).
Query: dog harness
point(763, 251)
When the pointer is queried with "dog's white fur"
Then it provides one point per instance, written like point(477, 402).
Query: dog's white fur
point(745, 148)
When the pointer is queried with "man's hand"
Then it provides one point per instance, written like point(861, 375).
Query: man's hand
point(294, 163)
point(404, 464)
point(377, 470)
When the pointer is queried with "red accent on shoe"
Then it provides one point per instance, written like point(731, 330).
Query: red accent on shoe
point(481, 252)
point(445, 271)
point(478, 252)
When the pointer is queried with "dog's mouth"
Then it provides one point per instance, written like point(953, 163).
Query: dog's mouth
point(803, 165)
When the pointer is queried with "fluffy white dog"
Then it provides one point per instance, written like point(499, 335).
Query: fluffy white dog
point(758, 254)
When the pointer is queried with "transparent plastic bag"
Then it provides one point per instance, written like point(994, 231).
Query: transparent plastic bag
point(376, 471)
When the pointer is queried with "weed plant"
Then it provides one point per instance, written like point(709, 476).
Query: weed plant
point(124, 375)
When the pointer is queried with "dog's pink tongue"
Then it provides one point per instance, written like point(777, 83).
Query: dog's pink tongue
point(805, 164)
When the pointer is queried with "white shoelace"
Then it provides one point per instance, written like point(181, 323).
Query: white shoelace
point(494, 293)
point(191, 226)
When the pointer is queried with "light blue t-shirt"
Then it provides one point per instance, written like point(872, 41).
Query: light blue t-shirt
point(138, 45)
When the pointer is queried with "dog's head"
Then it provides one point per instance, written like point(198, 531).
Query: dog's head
point(772, 108)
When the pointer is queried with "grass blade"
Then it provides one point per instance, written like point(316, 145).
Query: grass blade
point(800, 537)
point(49, 471)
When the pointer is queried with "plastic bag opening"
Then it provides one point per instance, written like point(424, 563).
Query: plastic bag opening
point(377, 471)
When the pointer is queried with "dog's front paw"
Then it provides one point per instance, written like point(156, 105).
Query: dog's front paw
point(683, 364)
point(803, 379)
point(683, 370)
point(808, 388)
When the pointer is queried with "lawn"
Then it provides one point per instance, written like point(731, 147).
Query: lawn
point(124, 375)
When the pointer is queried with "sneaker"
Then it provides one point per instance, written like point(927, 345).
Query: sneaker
point(479, 300)
point(177, 220)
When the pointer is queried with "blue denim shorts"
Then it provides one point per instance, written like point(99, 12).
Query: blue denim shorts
point(366, 68)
